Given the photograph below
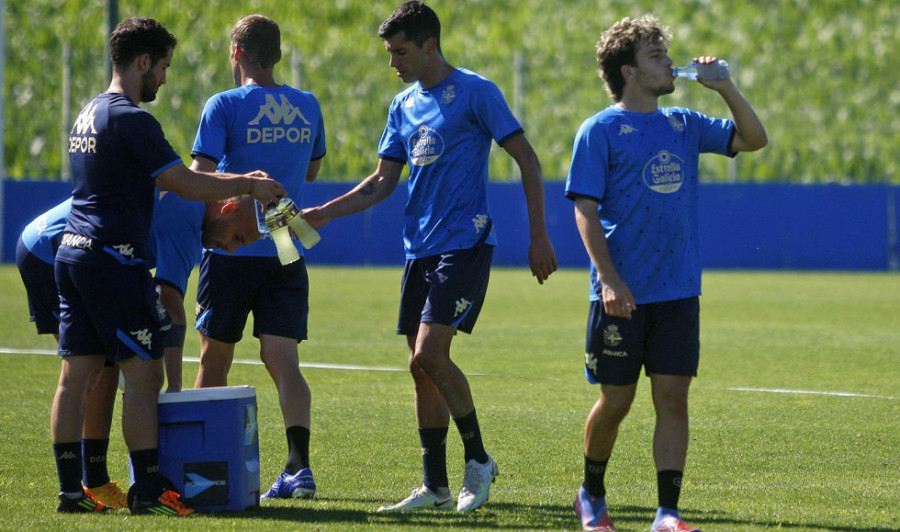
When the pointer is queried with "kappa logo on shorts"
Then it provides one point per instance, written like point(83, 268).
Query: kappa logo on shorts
point(591, 362)
point(461, 306)
point(144, 337)
point(125, 250)
point(611, 336)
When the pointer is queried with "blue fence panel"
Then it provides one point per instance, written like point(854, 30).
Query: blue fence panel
point(826, 227)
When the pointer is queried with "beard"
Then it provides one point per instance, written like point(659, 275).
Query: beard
point(149, 87)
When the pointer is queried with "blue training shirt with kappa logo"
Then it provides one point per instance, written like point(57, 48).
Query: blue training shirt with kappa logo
point(444, 133)
point(116, 150)
point(642, 168)
point(275, 129)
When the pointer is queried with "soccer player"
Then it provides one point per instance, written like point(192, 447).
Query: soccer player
point(109, 308)
point(634, 180)
point(177, 229)
point(443, 126)
point(279, 129)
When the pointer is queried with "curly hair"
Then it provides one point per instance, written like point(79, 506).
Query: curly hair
point(618, 46)
point(136, 36)
point(260, 38)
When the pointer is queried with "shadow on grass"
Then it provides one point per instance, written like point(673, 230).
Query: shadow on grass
point(503, 515)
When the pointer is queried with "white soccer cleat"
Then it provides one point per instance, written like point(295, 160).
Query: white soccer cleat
point(476, 484)
point(423, 499)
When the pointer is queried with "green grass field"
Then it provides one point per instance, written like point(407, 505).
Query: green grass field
point(759, 458)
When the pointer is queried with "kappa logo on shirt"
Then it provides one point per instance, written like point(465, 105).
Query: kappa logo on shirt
point(480, 221)
point(281, 115)
point(626, 129)
point(81, 138)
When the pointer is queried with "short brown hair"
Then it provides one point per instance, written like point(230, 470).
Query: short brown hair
point(136, 36)
point(259, 38)
point(618, 46)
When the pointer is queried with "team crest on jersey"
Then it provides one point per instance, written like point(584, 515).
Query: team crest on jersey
point(448, 95)
point(424, 146)
point(281, 116)
point(664, 173)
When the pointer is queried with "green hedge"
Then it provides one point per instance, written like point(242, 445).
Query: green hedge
point(816, 71)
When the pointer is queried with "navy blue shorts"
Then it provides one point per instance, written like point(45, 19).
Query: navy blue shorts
point(230, 288)
point(112, 311)
point(448, 289)
point(40, 286)
point(662, 337)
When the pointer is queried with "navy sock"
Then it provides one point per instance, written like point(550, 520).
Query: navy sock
point(434, 457)
point(147, 481)
point(669, 486)
point(68, 466)
point(94, 469)
point(298, 449)
point(594, 474)
point(471, 437)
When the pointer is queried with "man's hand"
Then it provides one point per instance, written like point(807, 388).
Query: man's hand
point(541, 258)
point(263, 188)
point(617, 299)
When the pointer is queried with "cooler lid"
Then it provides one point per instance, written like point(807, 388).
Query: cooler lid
point(221, 393)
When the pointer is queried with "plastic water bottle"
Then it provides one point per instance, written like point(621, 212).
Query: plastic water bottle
point(717, 70)
point(308, 236)
point(278, 229)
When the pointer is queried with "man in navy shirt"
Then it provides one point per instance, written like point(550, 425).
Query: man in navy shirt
point(443, 127)
point(178, 228)
point(633, 179)
point(109, 308)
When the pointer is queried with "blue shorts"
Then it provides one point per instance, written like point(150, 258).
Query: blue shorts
point(232, 287)
point(40, 286)
point(112, 311)
point(662, 337)
point(448, 289)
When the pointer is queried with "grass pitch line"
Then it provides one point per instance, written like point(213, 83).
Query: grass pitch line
point(810, 392)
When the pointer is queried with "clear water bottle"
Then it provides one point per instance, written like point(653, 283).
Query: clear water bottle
point(281, 235)
point(308, 236)
point(717, 70)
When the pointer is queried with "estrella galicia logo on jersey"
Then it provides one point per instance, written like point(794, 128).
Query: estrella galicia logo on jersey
point(425, 146)
point(664, 173)
point(81, 138)
point(448, 95)
point(281, 115)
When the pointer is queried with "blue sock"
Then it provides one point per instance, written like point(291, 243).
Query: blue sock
point(68, 466)
point(434, 457)
point(94, 469)
point(471, 437)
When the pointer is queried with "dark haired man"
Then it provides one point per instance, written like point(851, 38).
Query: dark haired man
point(281, 130)
point(634, 178)
point(109, 308)
point(443, 127)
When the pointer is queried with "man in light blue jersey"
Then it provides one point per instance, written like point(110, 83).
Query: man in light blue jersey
point(633, 179)
point(281, 130)
point(443, 127)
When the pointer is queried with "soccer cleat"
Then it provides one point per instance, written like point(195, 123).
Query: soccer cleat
point(423, 499)
point(110, 494)
point(476, 484)
point(672, 524)
point(168, 504)
point(297, 486)
point(592, 512)
point(82, 505)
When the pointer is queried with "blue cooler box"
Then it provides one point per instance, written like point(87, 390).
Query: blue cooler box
point(209, 447)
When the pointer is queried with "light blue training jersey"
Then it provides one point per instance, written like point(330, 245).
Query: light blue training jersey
point(275, 129)
point(444, 133)
point(642, 168)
